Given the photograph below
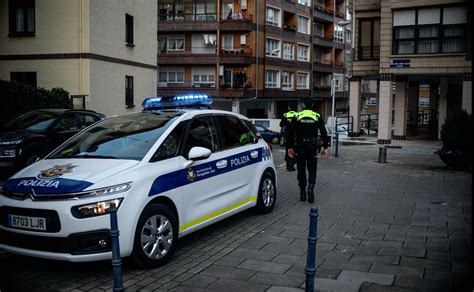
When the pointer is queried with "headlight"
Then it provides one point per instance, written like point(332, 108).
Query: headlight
point(8, 152)
point(12, 142)
point(107, 190)
point(95, 209)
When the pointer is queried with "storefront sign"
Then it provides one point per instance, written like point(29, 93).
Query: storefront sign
point(399, 63)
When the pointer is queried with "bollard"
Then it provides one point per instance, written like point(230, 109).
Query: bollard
point(382, 155)
point(116, 259)
point(311, 257)
point(336, 153)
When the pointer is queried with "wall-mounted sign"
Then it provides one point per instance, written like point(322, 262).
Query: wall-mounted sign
point(399, 63)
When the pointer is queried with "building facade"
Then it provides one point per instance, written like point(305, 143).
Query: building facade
point(103, 52)
point(412, 64)
point(253, 57)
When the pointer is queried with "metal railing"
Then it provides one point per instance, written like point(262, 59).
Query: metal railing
point(366, 53)
point(369, 122)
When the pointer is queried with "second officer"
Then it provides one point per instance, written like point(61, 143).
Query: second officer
point(303, 143)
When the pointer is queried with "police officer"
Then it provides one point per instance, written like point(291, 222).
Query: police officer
point(286, 122)
point(303, 142)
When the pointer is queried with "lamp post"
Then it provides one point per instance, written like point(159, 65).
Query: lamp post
point(342, 24)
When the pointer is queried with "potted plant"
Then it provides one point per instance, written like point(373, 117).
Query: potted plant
point(456, 134)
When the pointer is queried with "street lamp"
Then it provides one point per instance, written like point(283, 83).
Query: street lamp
point(342, 24)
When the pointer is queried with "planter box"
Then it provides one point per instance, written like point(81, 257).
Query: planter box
point(455, 159)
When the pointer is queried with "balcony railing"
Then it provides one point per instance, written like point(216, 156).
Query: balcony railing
point(236, 16)
point(237, 51)
point(323, 62)
point(324, 9)
point(366, 53)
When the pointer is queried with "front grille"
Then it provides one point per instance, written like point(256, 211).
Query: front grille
point(97, 241)
point(52, 218)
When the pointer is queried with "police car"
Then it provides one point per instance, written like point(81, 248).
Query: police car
point(169, 172)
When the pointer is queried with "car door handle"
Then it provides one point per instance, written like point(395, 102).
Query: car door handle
point(254, 154)
point(221, 164)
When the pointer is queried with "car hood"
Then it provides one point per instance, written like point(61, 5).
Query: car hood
point(62, 176)
point(16, 135)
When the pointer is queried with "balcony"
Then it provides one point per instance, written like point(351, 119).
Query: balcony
point(237, 16)
point(368, 53)
point(188, 57)
point(236, 56)
point(323, 41)
point(192, 24)
point(323, 13)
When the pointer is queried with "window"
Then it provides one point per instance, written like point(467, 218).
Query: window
point(129, 91)
point(65, 123)
point(273, 16)
point(227, 41)
point(338, 34)
point(27, 78)
point(203, 77)
point(303, 2)
point(303, 53)
point(170, 146)
point(204, 10)
point(203, 43)
point(303, 24)
point(303, 80)
point(171, 75)
point(369, 39)
point(371, 101)
point(429, 30)
point(423, 101)
point(338, 80)
point(272, 48)
point(287, 80)
point(288, 51)
point(233, 132)
point(176, 43)
point(202, 133)
point(86, 120)
point(272, 79)
point(319, 29)
point(21, 16)
point(128, 30)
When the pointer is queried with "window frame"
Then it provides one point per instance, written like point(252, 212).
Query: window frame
point(308, 52)
point(441, 38)
point(298, 85)
point(270, 53)
point(307, 29)
point(129, 30)
point(291, 82)
point(273, 22)
point(129, 91)
point(291, 55)
point(277, 79)
point(24, 5)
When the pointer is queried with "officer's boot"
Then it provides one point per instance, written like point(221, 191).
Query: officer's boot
point(310, 192)
point(302, 194)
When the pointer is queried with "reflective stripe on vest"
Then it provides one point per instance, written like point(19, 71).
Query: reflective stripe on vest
point(290, 114)
point(308, 114)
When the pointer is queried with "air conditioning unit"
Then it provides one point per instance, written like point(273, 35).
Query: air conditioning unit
point(243, 4)
point(243, 39)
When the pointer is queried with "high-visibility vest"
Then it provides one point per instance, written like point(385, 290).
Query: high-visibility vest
point(308, 114)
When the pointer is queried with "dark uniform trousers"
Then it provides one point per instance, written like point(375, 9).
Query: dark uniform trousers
point(306, 159)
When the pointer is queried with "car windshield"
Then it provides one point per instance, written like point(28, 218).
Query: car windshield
point(35, 121)
point(122, 137)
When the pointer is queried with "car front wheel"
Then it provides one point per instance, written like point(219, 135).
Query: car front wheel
point(266, 194)
point(155, 237)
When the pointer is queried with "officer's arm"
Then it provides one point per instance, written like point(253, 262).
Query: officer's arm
point(324, 133)
point(282, 122)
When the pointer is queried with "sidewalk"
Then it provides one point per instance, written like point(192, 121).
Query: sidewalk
point(400, 226)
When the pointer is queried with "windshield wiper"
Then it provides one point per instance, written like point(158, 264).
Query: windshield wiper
point(94, 156)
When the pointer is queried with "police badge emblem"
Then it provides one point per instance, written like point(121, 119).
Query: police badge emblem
point(191, 176)
point(56, 171)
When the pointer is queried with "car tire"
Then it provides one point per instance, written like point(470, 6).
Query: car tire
point(32, 153)
point(266, 194)
point(275, 140)
point(153, 247)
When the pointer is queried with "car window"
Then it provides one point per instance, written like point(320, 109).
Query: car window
point(66, 123)
point(260, 128)
point(85, 120)
point(35, 121)
point(170, 146)
point(202, 133)
point(233, 131)
point(122, 137)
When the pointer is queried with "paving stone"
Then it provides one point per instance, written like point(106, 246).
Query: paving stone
point(336, 285)
point(278, 279)
point(384, 279)
point(229, 261)
point(361, 250)
point(397, 270)
point(283, 289)
point(372, 287)
point(228, 272)
point(381, 243)
point(237, 286)
point(391, 260)
point(254, 254)
point(425, 263)
point(290, 259)
point(421, 284)
point(409, 252)
point(199, 281)
point(359, 266)
point(270, 267)
point(285, 249)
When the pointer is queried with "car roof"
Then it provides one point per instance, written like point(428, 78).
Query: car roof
point(195, 112)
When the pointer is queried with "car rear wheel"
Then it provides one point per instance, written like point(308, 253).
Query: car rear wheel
point(155, 237)
point(266, 194)
point(275, 140)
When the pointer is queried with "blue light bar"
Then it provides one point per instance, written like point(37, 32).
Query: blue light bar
point(187, 100)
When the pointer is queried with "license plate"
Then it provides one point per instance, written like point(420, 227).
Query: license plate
point(27, 222)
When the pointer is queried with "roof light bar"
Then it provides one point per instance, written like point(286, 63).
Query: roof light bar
point(187, 100)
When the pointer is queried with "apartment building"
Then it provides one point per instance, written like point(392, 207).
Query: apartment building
point(102, 52)
point(412, 63)
point(253, 57)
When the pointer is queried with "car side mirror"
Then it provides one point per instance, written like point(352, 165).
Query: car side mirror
point(199, 153)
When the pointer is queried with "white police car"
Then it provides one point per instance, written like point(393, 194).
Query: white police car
point(169, 171)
